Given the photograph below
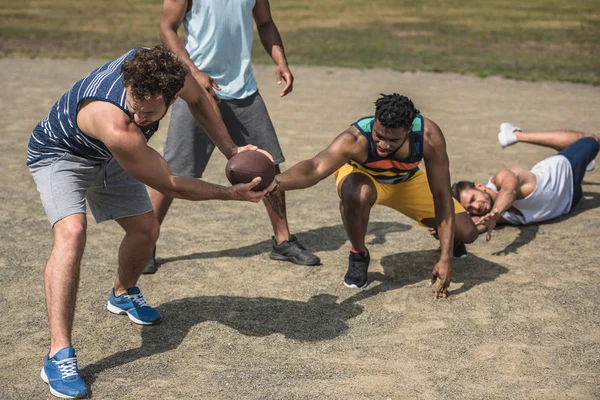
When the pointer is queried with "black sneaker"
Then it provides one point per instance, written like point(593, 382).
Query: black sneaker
point(292, 250)
point(152, 265)
point(460, 250)
point(358, 265)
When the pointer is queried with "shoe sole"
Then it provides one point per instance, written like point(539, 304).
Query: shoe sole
point(150, 270)
point(120, 311)
point(353, 286)
point(279, 257)
point(461, 256)
point(54, 392)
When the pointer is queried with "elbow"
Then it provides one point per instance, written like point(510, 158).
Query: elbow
point(168, 190)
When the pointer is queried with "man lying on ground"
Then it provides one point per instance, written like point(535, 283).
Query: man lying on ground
point(517, 196)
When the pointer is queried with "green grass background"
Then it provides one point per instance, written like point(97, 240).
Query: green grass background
point(522, 39)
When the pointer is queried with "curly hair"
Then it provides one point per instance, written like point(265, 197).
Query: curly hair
point(458, 188)
point(154, 72)
point(395, 111)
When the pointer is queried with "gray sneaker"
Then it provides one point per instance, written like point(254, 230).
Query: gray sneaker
point(152, 265)
point(292, 250)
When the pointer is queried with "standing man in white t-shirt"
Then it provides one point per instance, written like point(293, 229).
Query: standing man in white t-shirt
point(516, 196)
point(219, 37)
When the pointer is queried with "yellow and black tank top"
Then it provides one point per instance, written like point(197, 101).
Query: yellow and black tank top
point(386, 169)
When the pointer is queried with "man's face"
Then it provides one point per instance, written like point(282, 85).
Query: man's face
point(145, 112)
point(388, 140)
point(476, 201)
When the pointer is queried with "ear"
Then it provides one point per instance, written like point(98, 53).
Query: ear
point(480, 186)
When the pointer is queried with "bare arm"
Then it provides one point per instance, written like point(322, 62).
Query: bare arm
point(107, 123)
point(202, 105)
point(206, 113)
point(506, 181)
point(438, 174)
point(171, 18)
point(349, 144)
point(271, 41)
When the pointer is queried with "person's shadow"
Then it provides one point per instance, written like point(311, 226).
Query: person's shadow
point(327, 238)
point(527, 233)
point(416, 266)
point(319, 318)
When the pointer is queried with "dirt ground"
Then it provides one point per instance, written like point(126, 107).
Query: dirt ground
point(522, 322)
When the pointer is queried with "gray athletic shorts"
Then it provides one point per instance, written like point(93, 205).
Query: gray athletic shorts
point(188, 148)
point(65, 182)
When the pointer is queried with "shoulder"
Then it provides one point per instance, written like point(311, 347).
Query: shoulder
point(105, 122)
point(351, 143)
point(433, 138)
point(504, 177)
point(353, 137)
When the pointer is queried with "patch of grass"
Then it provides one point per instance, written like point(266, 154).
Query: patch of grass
point(522, 39)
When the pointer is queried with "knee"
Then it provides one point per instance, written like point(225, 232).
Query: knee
point(71, 231)
point(466, 230)
point(358, 193)
point(470, 233)
point(146, 231)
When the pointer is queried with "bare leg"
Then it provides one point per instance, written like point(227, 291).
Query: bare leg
point(61, 278)
point(557, 140)
point(277, 212)
point(465, 230)
point(358, 195)
point(141, 233)
point(161, 204)
point(275, 206)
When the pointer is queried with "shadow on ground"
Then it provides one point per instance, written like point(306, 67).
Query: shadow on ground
point(408, 268)
point(527, 233)
point(319, 318)
point(327, 238)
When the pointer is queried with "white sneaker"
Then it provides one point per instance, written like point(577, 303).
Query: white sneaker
point(506, 137)
point(590, 166)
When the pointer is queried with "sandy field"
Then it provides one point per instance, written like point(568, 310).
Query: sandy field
point(522, 321)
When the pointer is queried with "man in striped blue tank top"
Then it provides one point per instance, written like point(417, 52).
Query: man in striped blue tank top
point(92, 146)
point(375, 161)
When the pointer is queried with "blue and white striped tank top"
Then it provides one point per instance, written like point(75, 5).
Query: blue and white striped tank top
point(58, 132)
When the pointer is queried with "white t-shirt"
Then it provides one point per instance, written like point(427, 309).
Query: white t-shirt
point(551, 197)
point(219, 41)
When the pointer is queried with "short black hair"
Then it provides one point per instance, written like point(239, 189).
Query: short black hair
point(395, 111)
point(458, 188)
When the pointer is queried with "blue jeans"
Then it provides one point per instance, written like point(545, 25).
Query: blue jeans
point(580, 154)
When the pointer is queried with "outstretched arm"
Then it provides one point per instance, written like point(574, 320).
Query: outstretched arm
point(438, 175)
point(506, 181)
point(107, 123)
point(349, 144)
point(271, 41)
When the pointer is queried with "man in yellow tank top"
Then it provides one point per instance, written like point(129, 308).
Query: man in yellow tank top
point(375, 161)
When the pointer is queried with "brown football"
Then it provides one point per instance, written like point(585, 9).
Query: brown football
point(245, 166)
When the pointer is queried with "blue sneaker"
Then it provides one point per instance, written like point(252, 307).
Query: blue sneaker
point(62, 376)
point(134, 305)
